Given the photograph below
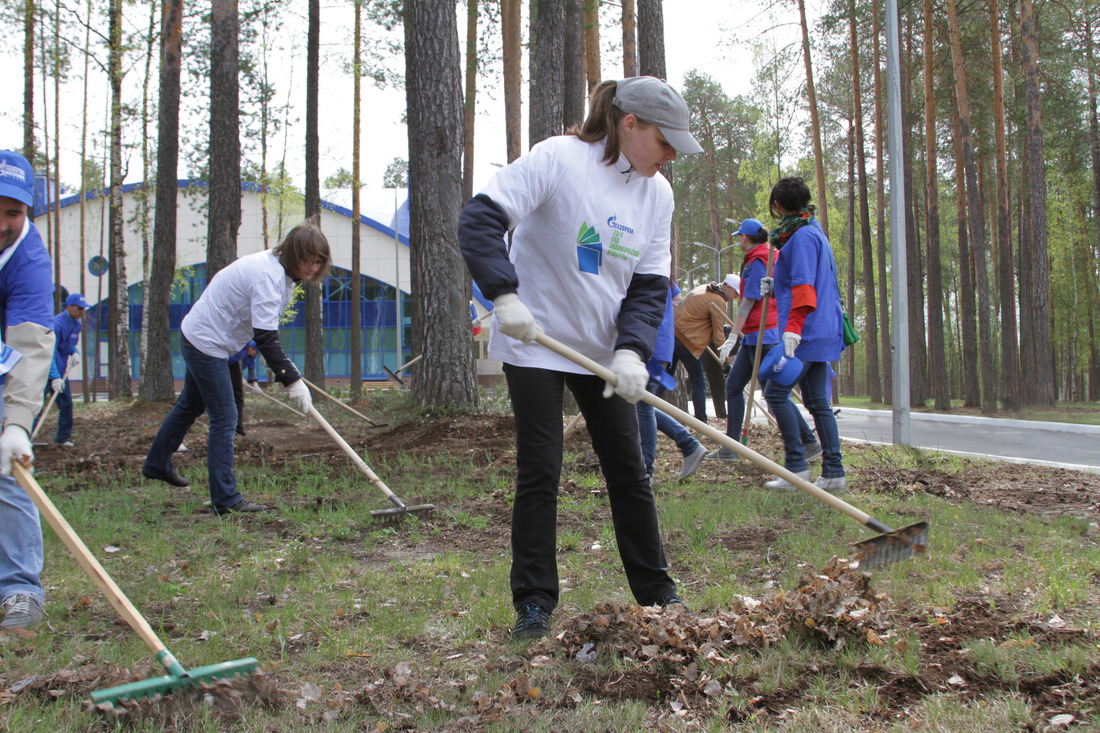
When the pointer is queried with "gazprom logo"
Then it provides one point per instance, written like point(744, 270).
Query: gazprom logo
point(614, 224)
point(7, 170)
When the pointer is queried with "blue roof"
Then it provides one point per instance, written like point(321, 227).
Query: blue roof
point(401, 236)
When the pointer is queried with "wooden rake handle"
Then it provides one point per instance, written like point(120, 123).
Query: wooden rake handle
point(87, 560)
point(359, 462)
point(350, 409)
point(718, 436)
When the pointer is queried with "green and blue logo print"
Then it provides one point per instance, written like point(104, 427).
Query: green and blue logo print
point(589, 249)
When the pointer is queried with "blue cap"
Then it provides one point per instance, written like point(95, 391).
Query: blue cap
point(750, 228)
point(778, 366)
point(16, 177)
point(76, 299)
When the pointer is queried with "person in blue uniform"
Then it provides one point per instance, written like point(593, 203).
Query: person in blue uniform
point(66, 327)
point(243, 360)
point(26, 312)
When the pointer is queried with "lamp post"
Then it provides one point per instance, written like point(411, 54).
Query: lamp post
point(717, 256)
point(687, 273)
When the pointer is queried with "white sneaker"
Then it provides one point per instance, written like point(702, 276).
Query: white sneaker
point(834, 485)
point(782, 483)
point(181, 449)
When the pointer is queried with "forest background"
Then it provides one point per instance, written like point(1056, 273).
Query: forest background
point(1002, 151)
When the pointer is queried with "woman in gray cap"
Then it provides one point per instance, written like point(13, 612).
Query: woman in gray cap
point(589, 263)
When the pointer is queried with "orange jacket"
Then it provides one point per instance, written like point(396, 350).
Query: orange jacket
point(698, 323)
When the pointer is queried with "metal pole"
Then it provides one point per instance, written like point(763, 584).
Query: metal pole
point(900, 309)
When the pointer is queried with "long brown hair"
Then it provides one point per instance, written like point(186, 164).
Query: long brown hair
point(304, 243)
point(603, 120)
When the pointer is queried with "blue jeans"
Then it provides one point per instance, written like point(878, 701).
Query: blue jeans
point(208, 388)
point(738, 378)
point(813, 381)
point(698, 379)
point(21, 551)
point(650, 420)
point(64, 404)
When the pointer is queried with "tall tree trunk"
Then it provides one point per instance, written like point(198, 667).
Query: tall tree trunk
point(815, 124)
point(874, 384)
point(355, 342)
point(914, 264)
point(1037, 198)
point(592, 43)
point(651, 39)
point(144, 191)
point(121, 387)
point(157, 383)
point(971, 389)
point(976, 217)
point(510, 28)
point(315, 354)
point(1010, 355)
point(470, 108)
point(630, 40)
point(573, 84)
point(47, 230)
point(57, 151)
point(224, 210)
point(547, 79)
point(851, 306)
point(885, 346)
point(446, 376)
point(85, 379)
point(28, 81)
point(937, 364)
point(1094, 139)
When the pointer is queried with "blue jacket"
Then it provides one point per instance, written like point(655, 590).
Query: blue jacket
point(26, 285)
point(67, 330)
point(247, 362)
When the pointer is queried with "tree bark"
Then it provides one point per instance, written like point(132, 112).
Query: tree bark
point(592, 43)
point(470, 107)
point(874, 384)
point(87, 379)
point(315, 354)
point(120, 387)
point(815, 125)
point(28, 82)
point(1010, 354)
point(1094, 140)
point(510, 28)
point(914, 264)
point(573, 84)
point(1037, 198)
point(969, 344)
point(630, 40)
point(547, 79)
point(446, 376)
point(651, 39)
point(885, 345)
point(224, 187)
point(851, 307)
point(355, 341)
point(937, 364)
point(143, 194)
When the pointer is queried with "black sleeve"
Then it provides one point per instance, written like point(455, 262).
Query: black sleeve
point(641, 313)
point(267, 342)
point(482, 226)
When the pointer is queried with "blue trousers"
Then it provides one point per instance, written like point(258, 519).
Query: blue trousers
point(650, 420)
point(21, 552)
point(64, 404)
point(736, 381)
point(698, 379)
point(813, 381)
point(207, 387)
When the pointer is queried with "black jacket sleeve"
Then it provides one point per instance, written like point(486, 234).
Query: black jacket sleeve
point(481, 230)
point(267, 342)
point(641, 313)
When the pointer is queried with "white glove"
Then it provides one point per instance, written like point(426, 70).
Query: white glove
point(514, 318)
point(14, 443)
point(630, 374)
point(726, 349)
point(791, 341)
point(765, 287)
point(298, 393)
point(58, 385)
point(74, 359)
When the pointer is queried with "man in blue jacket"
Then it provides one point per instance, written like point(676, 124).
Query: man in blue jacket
point(26, 317)
point(66, 327)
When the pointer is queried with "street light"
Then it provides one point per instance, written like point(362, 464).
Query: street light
point(687, 274)
point(717, 256)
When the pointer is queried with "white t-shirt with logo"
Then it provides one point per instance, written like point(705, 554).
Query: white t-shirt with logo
point(248, 294)
point(582, 229)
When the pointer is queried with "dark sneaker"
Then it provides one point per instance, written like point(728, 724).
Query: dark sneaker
point(813, 451)
point(692, 461)
point(173, 478)
point(671, 600)
point(244, 505)
point(532, 622)
point(22, 611)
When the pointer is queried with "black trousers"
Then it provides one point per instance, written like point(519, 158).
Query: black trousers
point(237, 377)
point(613, 424)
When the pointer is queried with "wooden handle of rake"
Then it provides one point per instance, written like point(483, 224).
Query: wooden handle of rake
point(359, 462)
point(759, 343)
point(724, 315)
point(91, 566)
point(718, 437)
point(46, 410)
point(350, 409)
point(257, 390)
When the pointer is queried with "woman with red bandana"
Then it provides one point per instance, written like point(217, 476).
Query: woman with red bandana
point(808, 306)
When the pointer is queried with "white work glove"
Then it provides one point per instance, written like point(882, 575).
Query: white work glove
point(298, 393)
point(630, 374)
point(58, 385)
point(74, 359)
point(726, 349)
point(791, 341)
point(765, 287)
point(14, 443)
point(514, 318)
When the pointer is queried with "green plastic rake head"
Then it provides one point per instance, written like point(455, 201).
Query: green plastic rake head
point(178, 679)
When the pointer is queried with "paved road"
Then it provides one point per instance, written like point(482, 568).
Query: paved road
point(1022, 441)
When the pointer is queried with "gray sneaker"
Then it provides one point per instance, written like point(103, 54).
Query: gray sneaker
point(22, 611)
point(813, 451)
point(834, 485)
point(692, 461)
point(782, 483)
point(722, 454)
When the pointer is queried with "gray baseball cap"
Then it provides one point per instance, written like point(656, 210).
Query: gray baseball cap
point(652, 100)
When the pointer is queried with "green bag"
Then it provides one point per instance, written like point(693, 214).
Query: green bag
point(850, 335)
